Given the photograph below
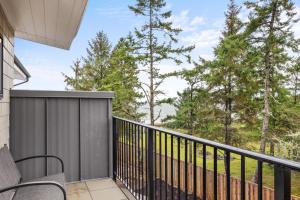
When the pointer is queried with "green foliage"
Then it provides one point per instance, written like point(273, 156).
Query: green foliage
point(269, 33)
point(106, 69)
point(294, 79)
point(250, 86)
point(156, 41)
point(226, 74)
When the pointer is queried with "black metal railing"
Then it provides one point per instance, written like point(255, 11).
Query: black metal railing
point(155, 163)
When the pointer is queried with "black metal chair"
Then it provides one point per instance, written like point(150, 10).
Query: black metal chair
point(11, 185)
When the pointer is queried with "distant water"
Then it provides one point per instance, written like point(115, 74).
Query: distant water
point(166, 109)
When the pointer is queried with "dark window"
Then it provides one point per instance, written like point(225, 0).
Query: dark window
point(1, 66)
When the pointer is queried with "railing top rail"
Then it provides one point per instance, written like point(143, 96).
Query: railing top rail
point(250, 154)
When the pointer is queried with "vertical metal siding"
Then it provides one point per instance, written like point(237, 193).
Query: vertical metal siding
point(62, 136)
point(27, 123)
point(73, 127)
point(94, 138)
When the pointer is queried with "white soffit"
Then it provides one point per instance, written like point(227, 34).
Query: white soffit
point(51, 22)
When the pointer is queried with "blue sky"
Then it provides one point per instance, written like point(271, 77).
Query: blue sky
point(201, 21)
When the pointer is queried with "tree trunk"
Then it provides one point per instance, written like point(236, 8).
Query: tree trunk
point(295, 89)
point(228, 117)
point(272, 148)
point(267, 60)
point(191, 122)
point(151, 103)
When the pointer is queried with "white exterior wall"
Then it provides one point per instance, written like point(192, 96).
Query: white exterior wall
point(7, 34)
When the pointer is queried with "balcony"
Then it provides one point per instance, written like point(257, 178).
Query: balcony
point(143, 162)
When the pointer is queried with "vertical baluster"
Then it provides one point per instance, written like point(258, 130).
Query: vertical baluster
point(166, 166)
point(122, 154)
point(155, 163)
point(172, 171)
point(204, 171)
point(138, 161)
point(142, 160)
point(186, 167)
point(259, 180)
point(148, 171)
point(178, 167)
point(215, 173)
point(135, 162)
point(282, 182)
point(137, 174)
point(119, 148)
point(114, 149)
point(150, 191)
point(195, 170)
point(242, 177)
point(160, 166)
point(130, 157)
point(126, 153)
point(227, 158)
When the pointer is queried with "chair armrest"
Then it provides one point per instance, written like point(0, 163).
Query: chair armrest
point(43, 156)
point(36, 183)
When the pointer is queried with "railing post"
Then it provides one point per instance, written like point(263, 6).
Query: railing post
point(282, 183)
point(150, 184)
point(114, 149)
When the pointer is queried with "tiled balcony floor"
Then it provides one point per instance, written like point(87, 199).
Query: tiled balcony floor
point(95, 190)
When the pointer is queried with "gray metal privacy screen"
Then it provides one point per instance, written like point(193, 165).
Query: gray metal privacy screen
point(75, 126)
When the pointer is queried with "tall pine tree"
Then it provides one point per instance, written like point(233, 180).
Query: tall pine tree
point(156, 41)
point(270, 33)
point(224, 70)
point(94, 66)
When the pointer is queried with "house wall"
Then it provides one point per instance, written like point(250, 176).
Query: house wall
point(7, 34)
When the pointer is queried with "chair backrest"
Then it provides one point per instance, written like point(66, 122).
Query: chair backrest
point(9, 173)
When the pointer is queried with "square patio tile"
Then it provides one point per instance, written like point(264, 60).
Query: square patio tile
point(79, 196)
point(101, 184)
point(76, 188)
point(110, 193)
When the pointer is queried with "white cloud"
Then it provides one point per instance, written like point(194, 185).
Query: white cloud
point(199, 31)
point(296, 27)
point(186, 23)
point(205, 39)
point(244, 13)
point(197, 21)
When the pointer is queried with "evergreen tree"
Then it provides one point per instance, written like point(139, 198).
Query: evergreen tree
point(224, 71)
point(123, 79)
point(94, 66)
point(294, 74)
point(156, 41)
point(191, 104)
point(115, 70)
point(270, 33)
